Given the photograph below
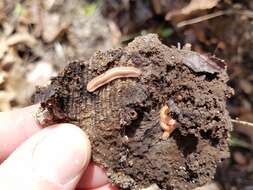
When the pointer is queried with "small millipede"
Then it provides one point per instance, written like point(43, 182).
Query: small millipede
point(112, 74)
point(167, 123)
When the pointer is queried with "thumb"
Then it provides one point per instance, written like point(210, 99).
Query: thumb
point(53, 159)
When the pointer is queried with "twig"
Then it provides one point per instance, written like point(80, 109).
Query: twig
point(196, 20)
point(244, 123)
point(246, 13)
point(202, 18)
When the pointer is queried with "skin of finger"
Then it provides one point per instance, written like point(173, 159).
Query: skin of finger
point(19, 125)
point(16, 126)
point(20, 172)
point(94, 176)
point(104, 187)
point(14, 174)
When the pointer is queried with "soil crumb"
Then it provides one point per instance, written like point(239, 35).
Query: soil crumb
point(122, 116)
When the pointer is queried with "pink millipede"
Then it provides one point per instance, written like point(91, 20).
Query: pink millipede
point(112, 74)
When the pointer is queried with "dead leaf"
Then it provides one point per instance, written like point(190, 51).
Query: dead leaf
point(246, 86)
point(3, 48)
point(193, 6)
point(157, 6)
point(11, 57)
point(53, 27)
point(196, 5)
point(115, 31)
point(2, 77)
point(5, 99)
point(24, 38)
point(41, 74)
point(202, 63)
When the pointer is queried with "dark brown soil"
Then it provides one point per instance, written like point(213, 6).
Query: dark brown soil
point(130, 147)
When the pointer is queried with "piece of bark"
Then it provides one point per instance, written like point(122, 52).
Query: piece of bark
point(122, 117)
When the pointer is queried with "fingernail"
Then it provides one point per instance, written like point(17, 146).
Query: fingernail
point(62, 154)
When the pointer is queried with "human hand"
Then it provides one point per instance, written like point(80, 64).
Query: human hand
point(53, 158)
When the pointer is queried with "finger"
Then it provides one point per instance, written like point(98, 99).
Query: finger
point(104, 187)
point(15, 127)
point(94, 176)
point(20, 125)
point(52, 159)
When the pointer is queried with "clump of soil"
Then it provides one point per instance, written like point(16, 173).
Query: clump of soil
point(122, 117)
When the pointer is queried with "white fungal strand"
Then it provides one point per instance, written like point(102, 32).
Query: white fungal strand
point(112, 74)
point(167, 123)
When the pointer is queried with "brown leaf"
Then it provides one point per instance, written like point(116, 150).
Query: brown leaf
point(194, 5)
point(2, 77)
point(53, 27)
point(202, 63)
point(24, 38)
point(3, 48)
point(5, 99)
